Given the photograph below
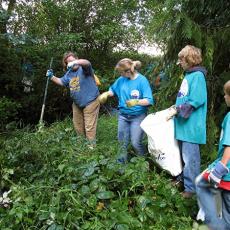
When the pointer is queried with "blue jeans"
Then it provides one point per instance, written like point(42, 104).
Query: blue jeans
point(190, 153)
point(129, 129)
point(207, 197)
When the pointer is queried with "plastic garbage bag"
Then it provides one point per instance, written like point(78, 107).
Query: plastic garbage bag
point(161, 142)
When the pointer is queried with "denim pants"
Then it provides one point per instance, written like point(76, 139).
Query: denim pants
point(207, 197)
point(191, 158)
point(129, 129)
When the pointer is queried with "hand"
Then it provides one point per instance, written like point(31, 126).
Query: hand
point(103, 97)
point(172, 111)
point(217, 173)
point(132, 102)
point(49, 73)
point(185, 110)
point(72, 64)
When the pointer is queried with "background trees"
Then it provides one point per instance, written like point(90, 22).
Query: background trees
point(35, 31)
point(103, 32)
point(205, 24)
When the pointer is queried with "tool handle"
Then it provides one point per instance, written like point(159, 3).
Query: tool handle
point(45, 94)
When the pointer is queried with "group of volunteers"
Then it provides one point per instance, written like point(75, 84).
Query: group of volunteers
point(189, 113)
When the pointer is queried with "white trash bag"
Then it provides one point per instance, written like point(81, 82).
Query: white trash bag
point(161, 142)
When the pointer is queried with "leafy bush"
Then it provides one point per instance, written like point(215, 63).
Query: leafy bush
point(8, 111)
point(57, 183)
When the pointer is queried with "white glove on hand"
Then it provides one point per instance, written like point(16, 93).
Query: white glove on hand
point(72, 64)
point(172, 111)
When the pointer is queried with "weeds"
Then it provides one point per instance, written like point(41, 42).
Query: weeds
point(56, 182)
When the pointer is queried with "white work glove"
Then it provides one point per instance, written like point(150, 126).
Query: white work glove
point(172, 111)
point(72, 64)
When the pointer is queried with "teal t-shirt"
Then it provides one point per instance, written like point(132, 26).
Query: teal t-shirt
point(224, 141)
point(193, 90)
point(126, 89)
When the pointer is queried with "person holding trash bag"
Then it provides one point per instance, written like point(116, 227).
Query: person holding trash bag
point(134, 95)
point(79, 78)
point(191, 111)
point(213, 185)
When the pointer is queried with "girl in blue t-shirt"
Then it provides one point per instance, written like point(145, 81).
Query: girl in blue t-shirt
point(134, 95)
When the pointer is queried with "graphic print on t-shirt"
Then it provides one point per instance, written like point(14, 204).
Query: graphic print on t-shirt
point(74, 84)
point(183, 89)
point(135, 94)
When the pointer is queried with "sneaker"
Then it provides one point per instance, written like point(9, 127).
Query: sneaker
point(187, 195)
point(177, 183)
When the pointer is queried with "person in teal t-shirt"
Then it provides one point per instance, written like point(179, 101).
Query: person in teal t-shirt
point(190, 119)
point(134, 95)
point(215, 180)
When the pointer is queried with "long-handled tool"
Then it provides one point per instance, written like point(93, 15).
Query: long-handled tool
point(44, 99)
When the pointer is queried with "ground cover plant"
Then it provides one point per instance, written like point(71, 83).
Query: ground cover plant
point(57, 183)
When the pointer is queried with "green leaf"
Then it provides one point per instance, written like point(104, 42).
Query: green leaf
point(61, 167)
point(122, 227)
point(89, 171)
point(84, 190)
point(44, 216)
point(55, 227)
point(105, 195)
point(143, 201)
point(92, 201)
point(94, 185)
point(142, 217)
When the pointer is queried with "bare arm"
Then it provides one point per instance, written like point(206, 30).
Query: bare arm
point(56, 80)
point(83, 62)
point(143, 102)
point(226, 155)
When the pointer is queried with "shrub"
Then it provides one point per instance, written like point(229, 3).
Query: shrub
point(8, 111)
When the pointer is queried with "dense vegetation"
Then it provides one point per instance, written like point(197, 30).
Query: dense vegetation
point(57, 183)
point(31, 32)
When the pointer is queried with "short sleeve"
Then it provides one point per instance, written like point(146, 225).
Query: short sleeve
point(146, 91)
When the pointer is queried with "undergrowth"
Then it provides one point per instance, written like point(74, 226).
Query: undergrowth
point(56, 182)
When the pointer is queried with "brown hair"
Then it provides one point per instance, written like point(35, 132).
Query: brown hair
point(227, 88)
point(127, 63)
point(65, 56)
point(191, 54)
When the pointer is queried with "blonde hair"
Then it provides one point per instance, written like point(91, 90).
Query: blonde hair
point(191, 54)
point(126, 63)
point(227, 88)
point(65, 56)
